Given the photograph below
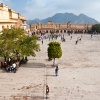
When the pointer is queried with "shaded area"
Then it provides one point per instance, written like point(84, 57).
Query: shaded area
point(37, 65)
point(34, 65)
point(28, 97)
point(38, 97)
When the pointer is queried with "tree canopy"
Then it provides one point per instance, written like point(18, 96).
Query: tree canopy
point(54, 50)
point(96, 28)
point(14, 42)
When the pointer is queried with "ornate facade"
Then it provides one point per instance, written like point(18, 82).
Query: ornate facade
point(60, 28)
point(9, 18)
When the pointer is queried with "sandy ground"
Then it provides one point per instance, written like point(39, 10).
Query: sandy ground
point(79, 73)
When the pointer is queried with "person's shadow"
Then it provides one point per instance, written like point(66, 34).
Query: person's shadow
point(50, 75)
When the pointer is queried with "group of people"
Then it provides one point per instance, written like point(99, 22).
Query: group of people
point(62, 38)
point(10, 65)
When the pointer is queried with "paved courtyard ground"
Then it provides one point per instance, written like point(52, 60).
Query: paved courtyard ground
point(79, 73)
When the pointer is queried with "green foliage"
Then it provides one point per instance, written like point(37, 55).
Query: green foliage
point(96, 28)
point(54, 50)
point(28, 46)
point(14, 42)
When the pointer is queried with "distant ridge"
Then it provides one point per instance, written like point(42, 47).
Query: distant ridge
point(66, 17)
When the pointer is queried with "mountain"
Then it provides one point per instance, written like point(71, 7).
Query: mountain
point(66, 17)
point(35, 21)
point(84, 20)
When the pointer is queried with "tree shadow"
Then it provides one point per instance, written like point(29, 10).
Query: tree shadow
point(38, 97)
point(36, 65)
point(28, 97)
point(49, 66)
point(33, 65)
point(48, 60)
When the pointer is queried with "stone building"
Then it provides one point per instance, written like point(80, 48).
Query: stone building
point(9, 18)
point(60, 28)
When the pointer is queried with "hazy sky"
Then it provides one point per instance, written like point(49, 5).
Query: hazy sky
point(32, 9)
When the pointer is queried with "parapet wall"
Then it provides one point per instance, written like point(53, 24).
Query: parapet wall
point(59, 27)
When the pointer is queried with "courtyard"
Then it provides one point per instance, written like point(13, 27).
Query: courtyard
point(78, 79)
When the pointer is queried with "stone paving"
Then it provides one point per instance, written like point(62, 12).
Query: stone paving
point(79, 72)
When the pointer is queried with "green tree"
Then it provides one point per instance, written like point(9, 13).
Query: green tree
point(96, 28)
point(54, 50)
point(28, 45)
point(14, 42)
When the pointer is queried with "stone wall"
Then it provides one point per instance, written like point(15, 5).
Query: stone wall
point(65, 27)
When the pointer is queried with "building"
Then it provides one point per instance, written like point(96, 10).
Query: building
point(9, 18)
point(60, 28)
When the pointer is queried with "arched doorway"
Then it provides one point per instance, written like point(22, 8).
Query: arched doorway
point(46, 31)
point(64, 31)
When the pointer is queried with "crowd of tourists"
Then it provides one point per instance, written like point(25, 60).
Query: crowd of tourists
point(11, 65)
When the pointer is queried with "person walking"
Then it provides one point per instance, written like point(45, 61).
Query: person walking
point(56, 71)
point(42, 41)
point(76, 41)
point(47, 91)
point(70, 37)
